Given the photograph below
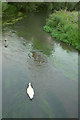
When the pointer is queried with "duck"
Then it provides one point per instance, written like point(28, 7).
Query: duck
point(5, 42)
point(30, 91)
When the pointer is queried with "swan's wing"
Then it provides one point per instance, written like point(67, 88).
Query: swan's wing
point(31, 91)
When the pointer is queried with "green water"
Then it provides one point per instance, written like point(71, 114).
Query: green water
point(52, 67)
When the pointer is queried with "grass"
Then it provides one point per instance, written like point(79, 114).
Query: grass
point(10, 15)
point(63, 25)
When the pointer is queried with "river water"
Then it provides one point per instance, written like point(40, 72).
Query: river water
point(51, 66)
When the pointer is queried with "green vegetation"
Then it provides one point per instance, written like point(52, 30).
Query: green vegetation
point(63, 25)
point(14, 11)
point(10, 14)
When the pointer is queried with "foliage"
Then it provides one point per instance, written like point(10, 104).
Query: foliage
point(13, 9)
point(10, 14)
point(5, 6)
point(63, 25)
point(25, 7)
point(47, 28)
point(8, 10)
point(36, 6)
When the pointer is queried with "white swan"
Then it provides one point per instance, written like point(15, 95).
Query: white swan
point(30, 91)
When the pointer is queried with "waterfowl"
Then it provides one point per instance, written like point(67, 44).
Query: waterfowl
point(30, 91)
point(5, 42)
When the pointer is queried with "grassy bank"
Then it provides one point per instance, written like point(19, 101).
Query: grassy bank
point(10, 14)
point(63, 25)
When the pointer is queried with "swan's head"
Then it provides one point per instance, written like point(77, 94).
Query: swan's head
point(29, 84)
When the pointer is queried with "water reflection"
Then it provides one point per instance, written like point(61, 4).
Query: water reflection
point(43, 46)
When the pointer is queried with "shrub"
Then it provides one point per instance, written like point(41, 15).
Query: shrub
point(63, 25)
point(47, 28)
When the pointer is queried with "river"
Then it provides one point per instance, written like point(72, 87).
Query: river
point(51, 66)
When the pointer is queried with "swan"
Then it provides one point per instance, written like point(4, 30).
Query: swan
point(30, 91)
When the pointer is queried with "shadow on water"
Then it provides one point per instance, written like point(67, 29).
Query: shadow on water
point(51, 66)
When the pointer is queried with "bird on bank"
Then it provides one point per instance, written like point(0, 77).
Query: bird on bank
point(30, 91)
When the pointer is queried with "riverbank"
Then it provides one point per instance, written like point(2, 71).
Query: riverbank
point(12, 21)
point(10, 15)
point(63, 25)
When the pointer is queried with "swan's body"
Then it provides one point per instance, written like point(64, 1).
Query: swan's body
point(30, 91)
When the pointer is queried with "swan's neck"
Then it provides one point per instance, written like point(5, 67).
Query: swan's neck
point(29, 84)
